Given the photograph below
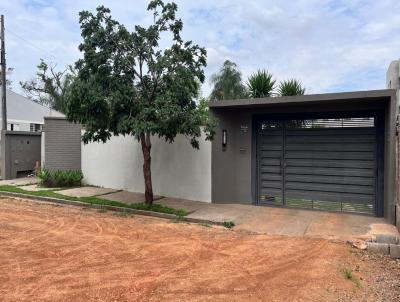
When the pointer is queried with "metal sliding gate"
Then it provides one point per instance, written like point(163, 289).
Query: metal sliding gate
point(327, 164)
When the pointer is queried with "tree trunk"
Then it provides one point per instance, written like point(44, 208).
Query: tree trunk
point(146, 148)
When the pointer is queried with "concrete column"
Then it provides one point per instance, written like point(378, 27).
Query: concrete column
point(393, 75)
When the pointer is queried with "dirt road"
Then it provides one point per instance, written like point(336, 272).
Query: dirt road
point(63, 253)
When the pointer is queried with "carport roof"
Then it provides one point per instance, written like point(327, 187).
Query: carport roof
point(382, 94)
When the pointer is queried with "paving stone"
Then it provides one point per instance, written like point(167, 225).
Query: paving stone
point(387, 238)
point(86, 191)
point(35, 188)
point(127, 197)
point(394, 251)
point(20, 181)
point(379, 248)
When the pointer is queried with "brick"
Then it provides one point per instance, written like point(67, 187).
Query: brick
point(394, 251)
point(379, 248)
point(389, 239)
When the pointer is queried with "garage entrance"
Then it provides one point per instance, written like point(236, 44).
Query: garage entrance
point(326, 163)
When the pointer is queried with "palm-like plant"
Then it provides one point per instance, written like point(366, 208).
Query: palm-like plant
point(260, 84)
point(291, 87)
point(227, 83)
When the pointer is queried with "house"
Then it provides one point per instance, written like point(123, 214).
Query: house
point(331, 151)
point(25, 115)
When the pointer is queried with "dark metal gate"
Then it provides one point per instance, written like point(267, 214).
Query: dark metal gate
point(327, 164)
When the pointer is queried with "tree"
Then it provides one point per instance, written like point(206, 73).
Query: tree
point(8, 82)
point(291, 87)
point(127, 84)
point(261, 84)
point(227, 83)
point(50, 87)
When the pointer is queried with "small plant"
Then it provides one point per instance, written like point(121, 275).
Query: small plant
point(69, 178)
point(348, 273)
point(44, 176)
point(229, 224)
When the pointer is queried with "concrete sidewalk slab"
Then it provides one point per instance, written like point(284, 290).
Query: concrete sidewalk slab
point(297, 222)
point(86, 191)
point(35, 188)
point(183, 204)
point(127, 197)
point(23, 181)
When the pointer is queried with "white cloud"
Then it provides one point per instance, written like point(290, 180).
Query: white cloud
point(329, 45)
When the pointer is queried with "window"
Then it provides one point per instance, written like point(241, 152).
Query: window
point(35, 127)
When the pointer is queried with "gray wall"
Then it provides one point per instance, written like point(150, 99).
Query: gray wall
point(62, 144)
point(232, 171)
point(231, 166)
point(20, 151)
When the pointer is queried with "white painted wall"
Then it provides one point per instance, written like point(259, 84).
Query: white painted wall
point(178, 170)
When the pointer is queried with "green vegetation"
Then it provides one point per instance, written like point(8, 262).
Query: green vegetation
point(96, 200)
point(50, 87)
point(261, 84)
point(229, 224)
point(70, 178)
point(141, 83)
point(291, 87)
point(348, 273)
point(227, 83)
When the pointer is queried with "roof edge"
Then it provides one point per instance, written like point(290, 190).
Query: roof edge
point(322, 97)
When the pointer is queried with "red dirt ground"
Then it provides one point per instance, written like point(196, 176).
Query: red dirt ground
point(63, 253)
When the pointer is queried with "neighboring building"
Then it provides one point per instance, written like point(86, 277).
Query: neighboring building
point(24, 114)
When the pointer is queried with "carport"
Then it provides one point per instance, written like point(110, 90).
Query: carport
point(333, 152)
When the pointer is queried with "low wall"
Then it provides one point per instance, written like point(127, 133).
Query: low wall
point(178, 170)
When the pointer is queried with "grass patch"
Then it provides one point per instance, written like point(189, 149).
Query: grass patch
point(229, 224)
point(348, 274)
point(96, 200)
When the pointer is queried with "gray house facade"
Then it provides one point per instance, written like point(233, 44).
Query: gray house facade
point(332, 151)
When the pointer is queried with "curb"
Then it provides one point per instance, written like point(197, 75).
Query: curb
point(110, 208)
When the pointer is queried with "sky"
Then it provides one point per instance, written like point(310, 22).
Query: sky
point(331, 46)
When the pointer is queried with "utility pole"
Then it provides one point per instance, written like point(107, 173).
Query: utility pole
point(3, 78)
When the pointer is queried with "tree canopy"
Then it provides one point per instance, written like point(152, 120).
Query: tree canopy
point(227, 83)
point(127, 84)
point(50, 87)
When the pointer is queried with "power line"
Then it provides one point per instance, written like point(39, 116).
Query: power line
point(35, 46)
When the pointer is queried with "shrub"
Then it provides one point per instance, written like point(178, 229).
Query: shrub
point(261, 84)
point(69, 178)
point(229, 224)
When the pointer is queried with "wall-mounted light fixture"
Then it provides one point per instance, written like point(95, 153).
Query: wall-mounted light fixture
point(224, 138)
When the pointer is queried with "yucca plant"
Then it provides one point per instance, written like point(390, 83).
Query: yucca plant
point(291, 87)
point(261, 84)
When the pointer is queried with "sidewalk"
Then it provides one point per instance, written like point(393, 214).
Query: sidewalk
point(258, 219)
